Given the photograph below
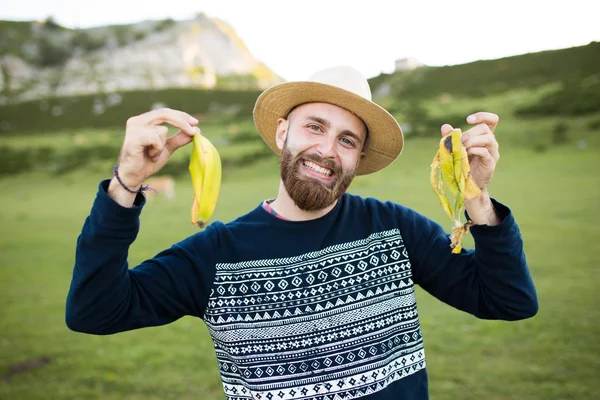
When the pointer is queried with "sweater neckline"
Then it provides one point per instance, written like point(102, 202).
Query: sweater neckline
point(277, 220)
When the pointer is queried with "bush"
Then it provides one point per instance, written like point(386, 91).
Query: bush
point(418, 123)
point(594, 124)
point(559, 133)
point(58, 162)
point(14, 161)
point(87, 41)
point(574, 98)
point(139, 35)
point(164, 24)
point(51, 54)
point(78, 111)
point(123, 34)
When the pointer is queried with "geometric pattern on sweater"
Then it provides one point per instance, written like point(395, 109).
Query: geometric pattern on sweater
point(338, 323)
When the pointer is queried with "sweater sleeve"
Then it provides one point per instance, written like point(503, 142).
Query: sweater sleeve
point(106, 296)
point(491, 281)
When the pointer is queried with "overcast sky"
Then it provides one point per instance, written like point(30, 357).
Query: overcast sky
point(296, 38)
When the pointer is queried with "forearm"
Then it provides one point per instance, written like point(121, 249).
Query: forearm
point(503, 286)
point(100, 286)
point(106, 296)
point(491, 281)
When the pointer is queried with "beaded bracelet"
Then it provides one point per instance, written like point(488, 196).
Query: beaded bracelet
point(140, 190)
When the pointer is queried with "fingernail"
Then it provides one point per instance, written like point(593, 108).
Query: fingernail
point(197, 130)
point(471, 118)
point(193, 120)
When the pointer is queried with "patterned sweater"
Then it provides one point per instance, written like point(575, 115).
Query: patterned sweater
point(313, 310)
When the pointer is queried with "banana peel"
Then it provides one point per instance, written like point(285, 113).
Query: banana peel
point(205, 171)
point(451, 180)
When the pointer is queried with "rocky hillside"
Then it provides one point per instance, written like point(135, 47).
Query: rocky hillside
point(41, 59)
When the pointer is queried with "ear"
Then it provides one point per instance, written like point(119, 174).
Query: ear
point(281, 134)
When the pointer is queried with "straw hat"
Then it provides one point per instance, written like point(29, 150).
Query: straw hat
point(342, 86)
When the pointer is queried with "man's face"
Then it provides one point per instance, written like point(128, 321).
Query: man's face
point(321, 148)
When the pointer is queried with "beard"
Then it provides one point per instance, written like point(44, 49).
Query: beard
point(310, 194)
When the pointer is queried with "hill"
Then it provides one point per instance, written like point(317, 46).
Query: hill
point(567, 82)
point(44, 59)
point(487, 77)
point(563, 82)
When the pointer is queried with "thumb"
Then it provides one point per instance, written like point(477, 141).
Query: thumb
point(179, 139)
point(446, 128)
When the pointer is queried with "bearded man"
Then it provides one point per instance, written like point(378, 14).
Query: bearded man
point(310, 295)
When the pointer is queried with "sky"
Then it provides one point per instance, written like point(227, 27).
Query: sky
point(297, 38)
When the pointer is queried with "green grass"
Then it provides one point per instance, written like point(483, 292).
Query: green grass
point(555, 355)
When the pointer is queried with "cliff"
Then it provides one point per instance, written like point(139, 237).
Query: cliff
point(40, 59)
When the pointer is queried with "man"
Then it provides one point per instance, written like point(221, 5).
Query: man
point(310, 295)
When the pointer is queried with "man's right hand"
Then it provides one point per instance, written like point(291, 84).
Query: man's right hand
point(146, 149)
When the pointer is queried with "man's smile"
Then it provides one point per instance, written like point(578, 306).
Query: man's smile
point(315, 170)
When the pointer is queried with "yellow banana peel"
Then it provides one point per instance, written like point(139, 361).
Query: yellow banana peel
point(450, 172)
point(205, 171)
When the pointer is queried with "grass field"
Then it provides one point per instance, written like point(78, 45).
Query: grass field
point(554, 194)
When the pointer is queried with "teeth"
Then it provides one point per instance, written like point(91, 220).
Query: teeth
point(317, 168)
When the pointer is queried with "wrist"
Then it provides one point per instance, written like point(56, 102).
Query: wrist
point(119, 194)
point(132, 186)
point(481, 210)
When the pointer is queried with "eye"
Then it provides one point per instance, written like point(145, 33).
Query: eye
point(313, 127)
point(348, 142)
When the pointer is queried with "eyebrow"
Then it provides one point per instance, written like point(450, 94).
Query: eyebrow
point(327, 124)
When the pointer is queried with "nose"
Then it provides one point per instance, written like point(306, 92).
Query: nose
point(326, 146)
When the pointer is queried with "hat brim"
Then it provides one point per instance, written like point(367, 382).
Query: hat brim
point(386, 140)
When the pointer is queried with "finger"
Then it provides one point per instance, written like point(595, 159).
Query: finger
point(480, 141)
point(481, 152)
point(178, 140)
point(477, 130)
point(483, 141)
point(149, 140)
point(155, 147)
point(446, 129)
point(490, 119)
point(178, 119)
point(162, 132)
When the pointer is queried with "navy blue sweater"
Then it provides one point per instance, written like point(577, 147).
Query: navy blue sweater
point(318, 309)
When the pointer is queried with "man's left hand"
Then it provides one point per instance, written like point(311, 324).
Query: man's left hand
point(482, 149)
point(481, 146)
